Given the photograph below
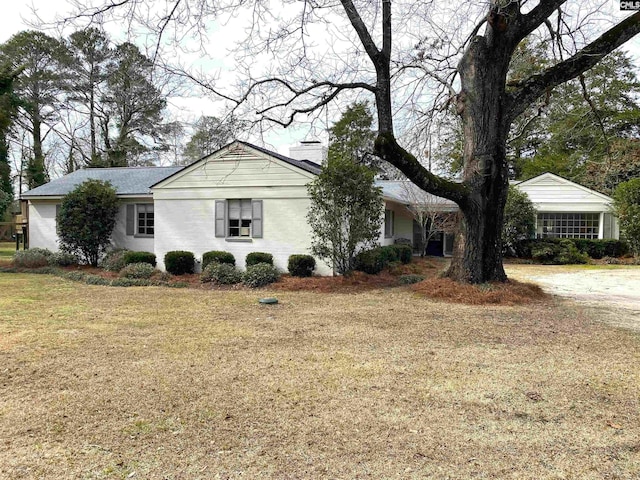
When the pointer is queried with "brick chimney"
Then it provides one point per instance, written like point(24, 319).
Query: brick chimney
point(311, 150)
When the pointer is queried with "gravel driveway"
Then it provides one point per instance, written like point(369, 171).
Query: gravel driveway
point(613, 292)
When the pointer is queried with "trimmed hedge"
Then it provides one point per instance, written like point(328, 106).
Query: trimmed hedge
point(32, 258)
point(301, 265)
point(138, 270)
point(63, 259)
point(593, 248)
point(255, 258)
point(259, 275)
point(139, 257)
point(377, 259)
point(405, 252)
point(221, 273)
point(217, 256)
point(562, 252)
point(370, 261)
point(179, 262)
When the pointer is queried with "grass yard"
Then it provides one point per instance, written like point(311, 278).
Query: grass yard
point(7, 250)
point(158, 383)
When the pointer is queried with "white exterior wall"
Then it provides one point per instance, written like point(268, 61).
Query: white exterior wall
point(119, 237)
point(184, 207)
point(189, 224)
point(403, 223)
point(42, 225)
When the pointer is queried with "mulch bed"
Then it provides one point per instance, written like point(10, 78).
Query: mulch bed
point(434, 286)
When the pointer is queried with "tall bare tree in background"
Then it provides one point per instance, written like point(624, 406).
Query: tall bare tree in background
point(282, 77)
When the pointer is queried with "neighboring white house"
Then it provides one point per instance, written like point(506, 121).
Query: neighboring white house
point(244, 198)
point(569, 210)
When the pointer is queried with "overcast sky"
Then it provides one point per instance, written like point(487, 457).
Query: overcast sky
point(16, 15)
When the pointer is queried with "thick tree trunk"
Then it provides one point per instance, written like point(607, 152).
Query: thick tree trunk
point(478, 252)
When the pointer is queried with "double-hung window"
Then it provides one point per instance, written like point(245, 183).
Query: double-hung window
point(140, 219)
point(238, 219)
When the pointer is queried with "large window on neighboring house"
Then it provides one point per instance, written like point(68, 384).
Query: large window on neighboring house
point(568, 225)
point(145, 220)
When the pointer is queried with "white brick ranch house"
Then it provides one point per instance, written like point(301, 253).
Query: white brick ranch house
point(244, 198)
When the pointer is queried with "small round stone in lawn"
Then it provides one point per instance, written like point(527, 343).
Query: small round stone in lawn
point(268, 301)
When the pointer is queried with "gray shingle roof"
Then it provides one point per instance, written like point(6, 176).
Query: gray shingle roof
point(306, 165)
point(126, 180)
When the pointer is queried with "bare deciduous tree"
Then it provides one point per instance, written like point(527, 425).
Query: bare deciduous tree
point(433, 214)
point(283, 76)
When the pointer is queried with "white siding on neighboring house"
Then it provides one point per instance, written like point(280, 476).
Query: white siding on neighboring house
point(552, 194)
point(42, 225)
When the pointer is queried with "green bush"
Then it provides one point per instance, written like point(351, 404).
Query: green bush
point(258, 257)
point(370, 261)
point(90, 279)
point(301, 265)
point(557, 252)
point(601, 248)
point(404, 252)
point(48, 270)
point(137, 270)
point(626, 200)
point(75, 276)
point(260, 274)
point(132, 282)
point(593, 248)
point(410, 279)
point(86, 219)
point(179, 262)
point(32, 258)
point(113, 261)
point(377, 259)
point(218, 256)
point(221, 273)
point(63, 259)
point(139, 257)
point(389, 254)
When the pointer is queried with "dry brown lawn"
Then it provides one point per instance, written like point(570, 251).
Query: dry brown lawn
point(158, 383)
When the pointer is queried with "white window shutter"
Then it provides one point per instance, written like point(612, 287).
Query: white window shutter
point(221, 220)
point(256, 218)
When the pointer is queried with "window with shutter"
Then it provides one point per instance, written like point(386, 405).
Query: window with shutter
point(239, 218)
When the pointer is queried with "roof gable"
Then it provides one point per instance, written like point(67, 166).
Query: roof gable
point(241, 164)
point(549, 179)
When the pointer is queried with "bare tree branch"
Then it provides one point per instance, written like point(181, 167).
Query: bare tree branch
point(534, 86)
